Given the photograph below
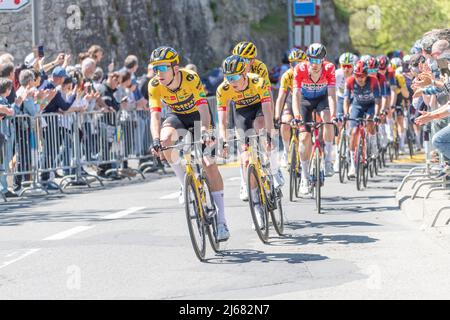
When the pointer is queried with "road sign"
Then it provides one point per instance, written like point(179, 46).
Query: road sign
point(13, 5)
point(304, 8)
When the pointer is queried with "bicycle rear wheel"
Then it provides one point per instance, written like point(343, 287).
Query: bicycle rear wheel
point(262, 227)
point(195, 222)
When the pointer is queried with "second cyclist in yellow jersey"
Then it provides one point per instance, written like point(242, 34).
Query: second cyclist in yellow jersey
point(283, 108)
point(252, 96)
point(247, 50)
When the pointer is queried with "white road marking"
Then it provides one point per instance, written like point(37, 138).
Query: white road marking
point(26, 254)
point(234, 179)
point(68, 233)
point(171, 196)
point(123, 213)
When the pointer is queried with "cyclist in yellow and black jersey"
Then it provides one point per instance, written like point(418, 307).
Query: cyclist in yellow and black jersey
point(399, 97)
point(182, 91)
point(283, 106)
point(252, 101)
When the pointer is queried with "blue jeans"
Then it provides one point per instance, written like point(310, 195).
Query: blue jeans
point(441, 141)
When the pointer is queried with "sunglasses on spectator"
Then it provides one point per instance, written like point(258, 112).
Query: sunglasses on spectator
point(347, 66)
point(157, 69)
point(315, 61)
point(234, 78)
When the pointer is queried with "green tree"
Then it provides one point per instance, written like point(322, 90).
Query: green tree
point(385, 25)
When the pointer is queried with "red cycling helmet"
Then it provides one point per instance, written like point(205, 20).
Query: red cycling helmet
point(372, 63)
point(383, 62)
point(360, 68)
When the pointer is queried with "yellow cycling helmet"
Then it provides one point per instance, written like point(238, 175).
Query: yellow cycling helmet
point(164, 55)
point(234, 65)
point(297, 55)
point(246, 50)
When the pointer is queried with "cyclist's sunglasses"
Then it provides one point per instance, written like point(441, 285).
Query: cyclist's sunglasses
point(157, 69)
point(347, 66)
point(294, 64)
point(315, 61)
point(234, 77)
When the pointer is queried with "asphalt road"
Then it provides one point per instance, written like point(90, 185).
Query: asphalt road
point(130, 241)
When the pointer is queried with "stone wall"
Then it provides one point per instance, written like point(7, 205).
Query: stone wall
point(199, 29)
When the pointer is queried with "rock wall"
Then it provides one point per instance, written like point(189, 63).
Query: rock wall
point(199, 29)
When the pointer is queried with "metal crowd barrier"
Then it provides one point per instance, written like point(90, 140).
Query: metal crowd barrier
point(33, 149)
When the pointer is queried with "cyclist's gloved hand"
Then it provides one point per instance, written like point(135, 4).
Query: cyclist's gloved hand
point(296, 122)
point(277, 124)
point(207, 136)
point(347, 116)
point(335, 120)
point(156, 145)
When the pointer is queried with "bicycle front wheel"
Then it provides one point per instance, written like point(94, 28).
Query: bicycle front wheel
point(359, 166)
point(316, 177)
point(260, 222)
point(278, 215)
point(212, 226)
point(195, 222)
point(343, 165)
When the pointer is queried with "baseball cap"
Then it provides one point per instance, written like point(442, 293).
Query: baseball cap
point(30, 60)
point(59, 72)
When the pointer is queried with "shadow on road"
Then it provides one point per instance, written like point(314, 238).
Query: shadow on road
point(336, 224)
point(18, 218)
point(247, 256)
point(318, 238)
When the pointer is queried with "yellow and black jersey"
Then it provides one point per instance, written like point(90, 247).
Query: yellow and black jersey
point(184, 100)
point(255, 93)
point(258, 67)
point(287, 81)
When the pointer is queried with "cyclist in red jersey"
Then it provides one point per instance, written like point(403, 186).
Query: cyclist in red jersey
point(365, 91)
point(314, 90)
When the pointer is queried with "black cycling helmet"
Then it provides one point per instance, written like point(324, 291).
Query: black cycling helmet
point(316, 51)
point(234, 64)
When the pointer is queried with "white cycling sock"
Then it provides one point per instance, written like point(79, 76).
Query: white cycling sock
point(418, 140)
point(274, 164)
point(220, 206)
point(241, 171)
point(389, 126)
point(336, 152)
point(255, 195)
point(328, 151)
point(402, 139)
point(285, 147)
point(352, 158)
point(179, 172)
point(305, 169)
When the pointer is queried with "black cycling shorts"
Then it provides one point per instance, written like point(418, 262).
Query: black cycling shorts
point(187, 122)
point(308, 106)
point(244, 117)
